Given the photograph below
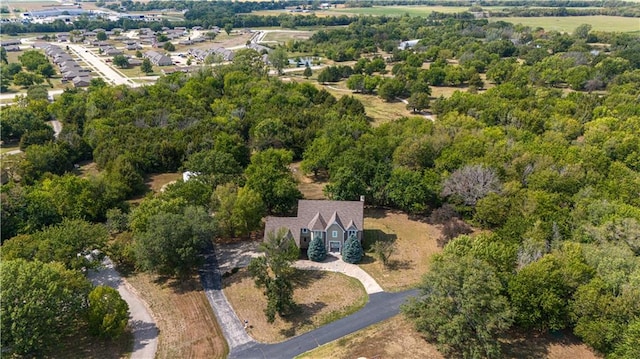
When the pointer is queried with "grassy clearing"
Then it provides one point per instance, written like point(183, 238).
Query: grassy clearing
point(569, 23)
point(317, 304)
point(283, 37)
point(310, 188)
point(85, 346)
point(415, 244)
point(156, 181)
point(188, 328)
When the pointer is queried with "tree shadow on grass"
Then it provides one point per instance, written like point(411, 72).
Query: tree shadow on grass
point(301, 318)
point(179, 285)
point(535, 345)
point(374, 235)
point(304, 278)
point(397, 264)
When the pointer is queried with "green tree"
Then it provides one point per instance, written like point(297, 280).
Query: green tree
point(46, 70)
point(273, 273)
point(390, 89)
point(101, 36)
point(32, 59)
point(168, 46)
point(384, 249)
point(121, 61)
point(173, 243)
point(227, 28)
point(26, 79)
point(307, 72)
point(628, 348)
point(352, 251)
point(146, 66)
point(211, 35)
point(41, 303)
point(317, 251)
point(3, 55)
point(418, 102)
point(270, 177)
point(108, 313)
point(238, 211)
point(279, 59)
point(461, 308)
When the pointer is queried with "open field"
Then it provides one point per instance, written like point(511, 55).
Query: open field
point(187, 325)
point(396, 338)
point(415, 244)
point(4, 149)
point(287, 36)
point(322, 298)
point(569, 23)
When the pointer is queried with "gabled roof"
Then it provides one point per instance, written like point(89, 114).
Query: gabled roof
point(311, 215)
point(317, 223)
point(335, 219)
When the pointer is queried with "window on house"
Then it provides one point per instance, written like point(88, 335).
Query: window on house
point(352, 233)
point(334, 234)
point(304, 230)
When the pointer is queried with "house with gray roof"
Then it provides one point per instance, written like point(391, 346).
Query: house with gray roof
point(333, 221)
point(158, 59)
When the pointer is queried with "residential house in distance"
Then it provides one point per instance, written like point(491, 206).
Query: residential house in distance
point(333, 221)
point(158, 59)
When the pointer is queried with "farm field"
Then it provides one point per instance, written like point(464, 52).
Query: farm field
point(569, 23)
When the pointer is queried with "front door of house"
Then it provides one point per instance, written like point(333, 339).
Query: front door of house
point(334, 246)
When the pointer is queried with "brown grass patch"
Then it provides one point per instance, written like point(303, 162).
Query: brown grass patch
point(392, 338)
point(87, 169)
point(415, 244)
point(310, 187)
point(317, 304)
point(552, 346)
point(156, 181)
point(187, 325)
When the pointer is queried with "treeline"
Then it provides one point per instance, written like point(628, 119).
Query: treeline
point(507, 3)
point(626, 11)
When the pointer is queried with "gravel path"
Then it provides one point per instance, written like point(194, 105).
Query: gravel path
point(145, 331)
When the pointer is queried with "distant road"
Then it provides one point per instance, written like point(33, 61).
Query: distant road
point(101, 67)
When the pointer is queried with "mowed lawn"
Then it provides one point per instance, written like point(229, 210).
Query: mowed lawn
point(322, 297)
point(415, 244)
point(187, 325)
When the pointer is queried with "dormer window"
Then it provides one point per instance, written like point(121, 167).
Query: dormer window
point(305, 230)
point(353, 233)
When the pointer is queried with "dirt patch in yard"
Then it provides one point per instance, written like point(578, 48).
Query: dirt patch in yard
point(187, 325)
point(322, 298)
point(415, 244)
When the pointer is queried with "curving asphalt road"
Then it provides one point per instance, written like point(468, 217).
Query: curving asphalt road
point(381, 306)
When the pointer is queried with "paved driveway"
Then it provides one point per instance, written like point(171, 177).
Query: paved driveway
point(381, 305)
point(145, 331)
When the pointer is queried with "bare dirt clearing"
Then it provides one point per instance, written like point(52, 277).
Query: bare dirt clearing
point(321, 296)
point(187, 325)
